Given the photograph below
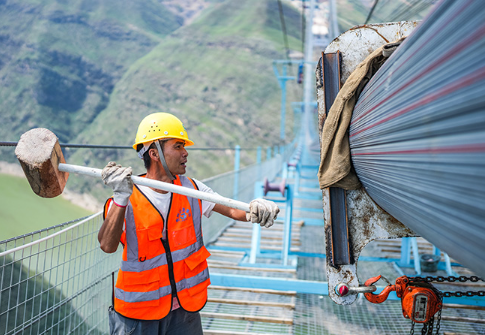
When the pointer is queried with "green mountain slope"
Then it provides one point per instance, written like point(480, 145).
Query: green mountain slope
point(59, 60)
point(351, 13)
point(216, 75)
point(21, 211)
point(24, 292)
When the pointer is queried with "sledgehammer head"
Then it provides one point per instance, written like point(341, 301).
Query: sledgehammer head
point(39, 154)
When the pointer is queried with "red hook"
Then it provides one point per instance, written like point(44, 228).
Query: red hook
point(380, 297)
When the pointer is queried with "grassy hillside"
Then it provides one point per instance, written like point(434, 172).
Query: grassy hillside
point(90, 70)
point(59, 60)
point(21, 211)
point(216, 75)
point(354, 12)
point(25, 293)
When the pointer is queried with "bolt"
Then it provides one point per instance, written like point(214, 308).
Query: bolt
point(407, 317)
point(410, 289)
point(342, 289)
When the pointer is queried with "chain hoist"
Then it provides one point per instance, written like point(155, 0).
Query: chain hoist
point(420, 300)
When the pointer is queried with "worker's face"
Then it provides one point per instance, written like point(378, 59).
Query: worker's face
point(175, 156)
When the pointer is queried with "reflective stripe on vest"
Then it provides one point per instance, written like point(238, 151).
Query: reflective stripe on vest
point(178, 255)
point(152, 295)
point(143, 279)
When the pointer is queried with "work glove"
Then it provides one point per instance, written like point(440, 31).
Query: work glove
point(119, 179)
point(263, 212)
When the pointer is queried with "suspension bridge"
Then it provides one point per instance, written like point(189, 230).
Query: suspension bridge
point(283, 280)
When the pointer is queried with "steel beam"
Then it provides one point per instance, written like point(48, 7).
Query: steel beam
point(338, 233)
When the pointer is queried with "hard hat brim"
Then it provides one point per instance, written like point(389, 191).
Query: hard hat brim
point(188, 142)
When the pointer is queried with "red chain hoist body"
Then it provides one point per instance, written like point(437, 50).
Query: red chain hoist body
point(420, 301)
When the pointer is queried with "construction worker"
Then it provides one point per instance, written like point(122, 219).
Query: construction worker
point(163, 279)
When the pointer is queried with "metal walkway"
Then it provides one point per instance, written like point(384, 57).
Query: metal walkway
point(58, 281)
point(254, 311)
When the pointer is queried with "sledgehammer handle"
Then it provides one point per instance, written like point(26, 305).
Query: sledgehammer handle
point(92, 172)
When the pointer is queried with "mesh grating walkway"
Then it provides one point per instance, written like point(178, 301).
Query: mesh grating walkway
point(311, 313)
point(231, 311)
point(58, 281)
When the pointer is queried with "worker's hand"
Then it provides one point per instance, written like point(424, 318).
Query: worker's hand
point(263, 212)
point(119, 179)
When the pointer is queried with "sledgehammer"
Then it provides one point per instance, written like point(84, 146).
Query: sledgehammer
point(41, 158)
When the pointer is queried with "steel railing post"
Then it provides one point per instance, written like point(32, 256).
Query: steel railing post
point(287, 224)
point(405, 253)
point(417, 263)
point(237, 159)
point(256, 235)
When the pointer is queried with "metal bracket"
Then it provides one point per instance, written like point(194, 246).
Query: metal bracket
point(338, 251)
point(365, 220)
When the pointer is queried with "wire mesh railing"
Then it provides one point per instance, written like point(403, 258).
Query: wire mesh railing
point(225, 184)
point(58, 281)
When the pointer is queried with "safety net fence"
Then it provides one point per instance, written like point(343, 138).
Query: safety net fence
point(58, 281)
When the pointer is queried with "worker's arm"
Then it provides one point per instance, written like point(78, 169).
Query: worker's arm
point(110, 232)
point(261, 211)
point(233, 213)
point(119, 179)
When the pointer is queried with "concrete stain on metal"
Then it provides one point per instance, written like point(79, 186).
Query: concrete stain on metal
point(367, 221)
point(357, 43)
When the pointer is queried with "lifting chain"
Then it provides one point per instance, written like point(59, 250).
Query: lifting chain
point(428, 326)
point(441, 279)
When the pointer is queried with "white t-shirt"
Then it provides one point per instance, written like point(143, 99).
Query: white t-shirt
point(161, 201)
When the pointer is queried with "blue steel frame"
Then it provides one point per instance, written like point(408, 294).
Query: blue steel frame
point(282, 79)
point(408, 243)
point(255, 252)
point(286, 255)
point(311, 287)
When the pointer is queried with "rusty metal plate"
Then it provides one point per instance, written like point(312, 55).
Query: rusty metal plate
point(366, 220)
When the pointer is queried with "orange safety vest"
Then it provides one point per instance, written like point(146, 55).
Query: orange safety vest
point(154, 269)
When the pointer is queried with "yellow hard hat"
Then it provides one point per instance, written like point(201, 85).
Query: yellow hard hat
point(158, 126)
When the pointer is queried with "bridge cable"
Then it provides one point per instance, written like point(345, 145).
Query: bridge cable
point(96, 146)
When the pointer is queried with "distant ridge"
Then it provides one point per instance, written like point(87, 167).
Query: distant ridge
point(214, 73)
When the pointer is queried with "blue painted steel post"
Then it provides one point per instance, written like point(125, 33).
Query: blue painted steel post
point(282, 82)
point(258, 162)
point(268, 153)
point(291, 171)
point(287, 224)
point(405, 252)
point(284, 169)
point(297, 179)
point(237, 159)
point(283, 103)
point(417, 263)
point(448, 268)
point(256, 236)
